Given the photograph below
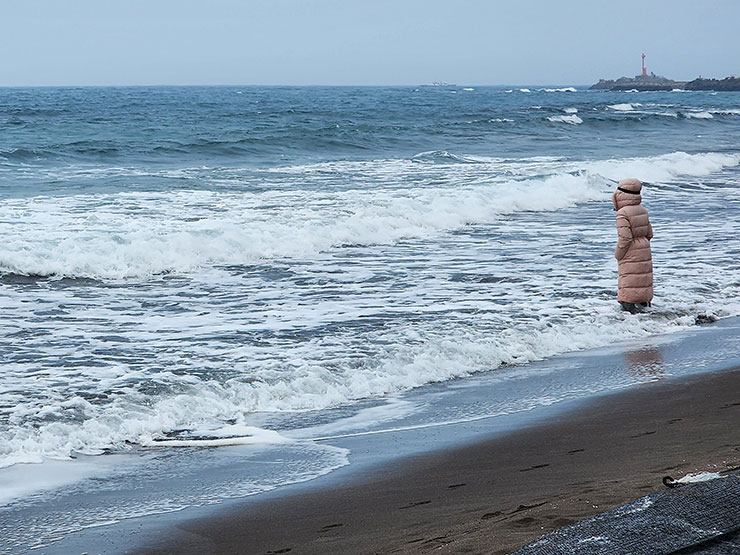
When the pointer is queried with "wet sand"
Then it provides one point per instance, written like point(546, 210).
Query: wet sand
point(496, 495)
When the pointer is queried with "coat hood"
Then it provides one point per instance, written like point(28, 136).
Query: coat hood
point(627, 193)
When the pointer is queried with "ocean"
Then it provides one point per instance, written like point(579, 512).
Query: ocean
point(256, 268)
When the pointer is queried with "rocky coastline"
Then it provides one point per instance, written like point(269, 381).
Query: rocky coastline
point(658, 83)
point(726, 84)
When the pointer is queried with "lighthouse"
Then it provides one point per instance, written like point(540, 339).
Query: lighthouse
point(644, 69)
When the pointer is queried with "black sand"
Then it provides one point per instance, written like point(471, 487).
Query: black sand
point(496, 496)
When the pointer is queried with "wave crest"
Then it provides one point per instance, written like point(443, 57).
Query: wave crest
point(697, 115)
point(625, 107)
point(443, 156)
point(136, 235)
point(571, 119)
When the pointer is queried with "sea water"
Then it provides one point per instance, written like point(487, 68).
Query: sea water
point(240, 265)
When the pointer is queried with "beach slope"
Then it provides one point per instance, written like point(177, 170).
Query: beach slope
point(496, 495)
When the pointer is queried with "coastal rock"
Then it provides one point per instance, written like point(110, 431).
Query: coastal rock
point(726, 84)
point(650, 82)
point(654, 82)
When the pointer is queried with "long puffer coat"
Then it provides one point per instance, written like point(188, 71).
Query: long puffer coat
point(633, 244)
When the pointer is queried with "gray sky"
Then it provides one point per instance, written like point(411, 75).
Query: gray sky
point(367, 42)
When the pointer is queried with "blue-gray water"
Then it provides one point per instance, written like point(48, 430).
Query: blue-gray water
point(218, 265)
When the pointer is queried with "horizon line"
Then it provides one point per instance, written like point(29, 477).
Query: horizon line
point(149, 85)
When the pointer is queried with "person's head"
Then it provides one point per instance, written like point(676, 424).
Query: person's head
point(627, 193)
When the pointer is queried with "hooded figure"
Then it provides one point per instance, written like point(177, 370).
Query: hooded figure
point(633, 247)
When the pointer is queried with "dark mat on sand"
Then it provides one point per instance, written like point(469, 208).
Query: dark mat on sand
point(701, 517)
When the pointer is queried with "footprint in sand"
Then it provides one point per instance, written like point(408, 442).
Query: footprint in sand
point(416, 504)
point(521, 508)
point(524, 522)
point(330, 526)
point(534, 467)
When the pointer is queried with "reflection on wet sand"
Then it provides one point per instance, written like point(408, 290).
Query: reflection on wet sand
point(646, 363)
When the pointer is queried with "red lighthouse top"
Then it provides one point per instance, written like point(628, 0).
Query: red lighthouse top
point(644, 69)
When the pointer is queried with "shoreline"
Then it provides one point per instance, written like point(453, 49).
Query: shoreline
point(448, 417)
point(498, 494)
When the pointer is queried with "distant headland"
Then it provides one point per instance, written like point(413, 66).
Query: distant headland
point(652, 82)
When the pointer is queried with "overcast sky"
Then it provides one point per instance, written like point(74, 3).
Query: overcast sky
point(367, 42)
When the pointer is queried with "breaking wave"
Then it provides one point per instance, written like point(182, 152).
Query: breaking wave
point(625, 107)
point(142, 234)
point(444, 157)
point(571, 119)
point(135, 235)
point(562, 89)
point(697, 115)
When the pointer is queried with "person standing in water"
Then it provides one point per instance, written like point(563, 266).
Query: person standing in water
point(633, 247)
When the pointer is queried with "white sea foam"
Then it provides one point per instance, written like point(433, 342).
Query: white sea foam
point(468, 89)
point(570, 110)
point(443, 156)
point(304, 384)
point(141, 234)
point(726, 111)
point(666, 167)
point(205, 344)
point(563, 89)
point(227, 435)
point(524, 90)
point(130, 235)
point(113, 489)
point(625, 107)
point(698, 115)
point(21, 480)
point(572, 119)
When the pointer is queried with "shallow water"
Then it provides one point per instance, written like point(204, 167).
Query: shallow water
point(176, 261)
point(118, 501)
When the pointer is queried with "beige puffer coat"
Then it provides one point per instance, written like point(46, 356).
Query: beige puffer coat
point(633, 244)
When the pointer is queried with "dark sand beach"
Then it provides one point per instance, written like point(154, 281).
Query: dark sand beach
point(496, 495)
